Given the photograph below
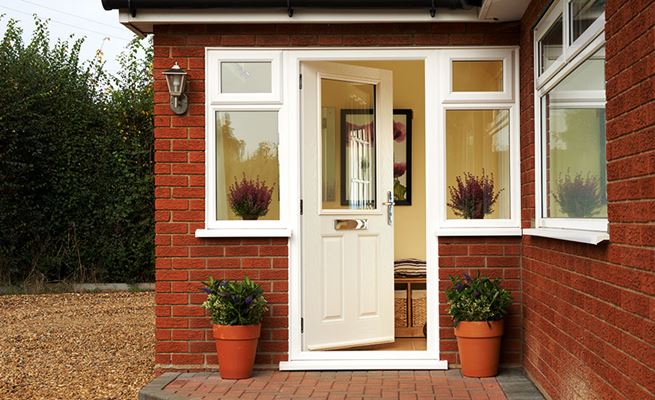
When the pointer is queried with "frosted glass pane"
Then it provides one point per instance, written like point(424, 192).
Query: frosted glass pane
point(477, 164)
point(247, 167)
point(574, 132)
point(246, 77)
point(478, 76)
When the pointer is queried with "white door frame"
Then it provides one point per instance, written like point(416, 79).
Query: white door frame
point(316, 360)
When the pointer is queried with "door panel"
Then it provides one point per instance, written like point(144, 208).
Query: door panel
point(347, 237)
point(332, 288)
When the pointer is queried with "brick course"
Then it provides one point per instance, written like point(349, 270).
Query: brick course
point(182, 261)
point(588, 310)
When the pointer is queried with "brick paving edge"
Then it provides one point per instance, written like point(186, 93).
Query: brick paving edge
point(155, 389)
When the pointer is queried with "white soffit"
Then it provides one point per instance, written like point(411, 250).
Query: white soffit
point(503, 10)
point(145, 19)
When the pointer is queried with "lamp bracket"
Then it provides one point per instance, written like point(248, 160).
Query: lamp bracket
point(179, 104)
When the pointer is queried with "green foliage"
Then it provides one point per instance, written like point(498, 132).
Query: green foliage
point(76, 158)
point(477, 299)
point(235, 303)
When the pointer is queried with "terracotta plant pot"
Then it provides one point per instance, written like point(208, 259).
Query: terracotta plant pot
point(479, 347)
point(236, 347)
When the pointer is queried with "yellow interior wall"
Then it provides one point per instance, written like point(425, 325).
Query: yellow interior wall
point(408, 93)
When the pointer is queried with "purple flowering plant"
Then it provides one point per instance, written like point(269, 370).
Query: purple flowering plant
point(477, 298)
point(473, 197)
point(249, 198)
point(235, 302)
point(578, 197)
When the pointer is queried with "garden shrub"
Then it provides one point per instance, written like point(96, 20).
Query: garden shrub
point(76, 160)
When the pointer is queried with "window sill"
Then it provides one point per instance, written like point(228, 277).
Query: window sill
point(573, 235)
point(231, 232)
point(478, 232)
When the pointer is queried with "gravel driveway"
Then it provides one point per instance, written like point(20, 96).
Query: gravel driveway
point(76, 345)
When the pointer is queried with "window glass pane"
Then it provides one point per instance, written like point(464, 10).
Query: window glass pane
point(550, 45)
point(477, 164)
point(246, 77)
point(575, 181)
point(247, 167)
point(348, 145)
point(478, 76)
point(583, 14)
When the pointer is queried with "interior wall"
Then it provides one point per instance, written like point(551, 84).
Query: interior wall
point(409, 93)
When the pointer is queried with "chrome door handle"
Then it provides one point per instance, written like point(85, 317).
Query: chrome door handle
point(389, 203)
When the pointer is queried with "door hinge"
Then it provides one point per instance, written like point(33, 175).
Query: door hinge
point(300, 82)
point(302, 325)
point(301, 209)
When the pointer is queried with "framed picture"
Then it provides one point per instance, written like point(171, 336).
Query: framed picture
point(358, 158)
point(402, 157)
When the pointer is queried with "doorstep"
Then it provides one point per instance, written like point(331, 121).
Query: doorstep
point(510, 384)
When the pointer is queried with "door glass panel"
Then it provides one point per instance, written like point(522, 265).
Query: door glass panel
point(551, 45)
point(583, 14)
point(478, 76)
point(246, 77)
point(348, 145)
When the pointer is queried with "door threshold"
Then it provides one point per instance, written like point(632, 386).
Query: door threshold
point(350, 365)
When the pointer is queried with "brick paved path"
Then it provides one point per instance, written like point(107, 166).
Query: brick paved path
point(336, 385)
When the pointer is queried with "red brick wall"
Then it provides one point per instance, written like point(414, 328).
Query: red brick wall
point(495, 257)
point(589, 311)
point(183, 335)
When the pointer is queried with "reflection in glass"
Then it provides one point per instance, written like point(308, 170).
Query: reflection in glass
point(583, 14)
point(246, 77)
point(551, 45)
point(575, 178)
point(477, 164)
point(247, 167)
point(348, 147)
point(478, 76)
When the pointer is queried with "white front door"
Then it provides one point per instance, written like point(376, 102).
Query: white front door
point(347, 222)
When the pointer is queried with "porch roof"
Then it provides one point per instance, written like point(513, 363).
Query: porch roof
point(141, 16)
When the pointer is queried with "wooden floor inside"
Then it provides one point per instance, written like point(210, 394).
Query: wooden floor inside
point(413, 344)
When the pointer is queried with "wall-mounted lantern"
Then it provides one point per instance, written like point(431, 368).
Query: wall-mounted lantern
point(176, 81)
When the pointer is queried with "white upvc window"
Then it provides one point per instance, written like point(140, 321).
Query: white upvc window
point(246, 179)
point(478, 174)
point(570, 160)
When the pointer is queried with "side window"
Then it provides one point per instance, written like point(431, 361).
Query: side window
point(570, 159)
point(478, 141)
point(244, 184)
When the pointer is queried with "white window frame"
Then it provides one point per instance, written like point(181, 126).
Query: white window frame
point(584, 230)
point(507, 99)
point(217, 101)
point(213, 65)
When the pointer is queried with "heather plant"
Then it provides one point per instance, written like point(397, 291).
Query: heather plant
point(235, 302)
point(477, 299)
point(249, 198)
point(578, 197)
point(473, 197)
